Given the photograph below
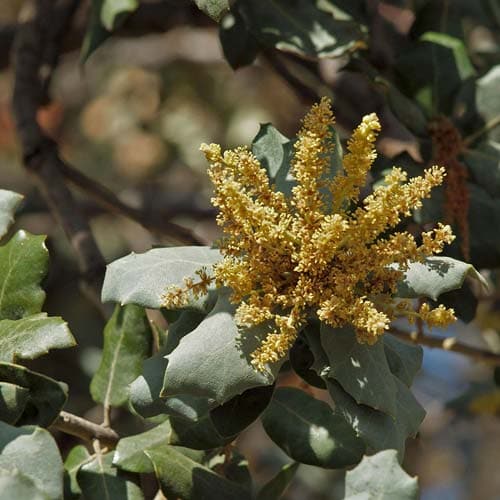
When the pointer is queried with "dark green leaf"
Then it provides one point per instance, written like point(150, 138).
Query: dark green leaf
point(8, 204)
point(114, 12)
point(361, 369)
point(213, 8)
point(404, 359)
point(33, 336)
point(214, 361)
point(234, 467)
point(23, 265)
point(279, 483)
point(96, 33)
point(308, 431)
point(302, 29)
point(33, 452)
point(145, 390)
point(127, 342)
point(380, 476)
point(239, 46)
point(13, 484)
point(129, 454)
point(13, 399)
point(181, 477)
point(434, 276)
point(191, 424)
point(302, 360)
point(143, 278)
point(46, 396)
point(238, 413)
point(378, 430)
point(443, 67)
point(75, 459)
point(484, 165)
point(99, 480)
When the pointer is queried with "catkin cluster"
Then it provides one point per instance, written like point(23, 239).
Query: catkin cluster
point(312, 254)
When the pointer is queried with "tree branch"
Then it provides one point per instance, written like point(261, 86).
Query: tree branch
point(85, 430)
point(109, 201)
point(35, 58)
point(448, 344)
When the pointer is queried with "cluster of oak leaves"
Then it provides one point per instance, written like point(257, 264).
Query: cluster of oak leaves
point(321, 252)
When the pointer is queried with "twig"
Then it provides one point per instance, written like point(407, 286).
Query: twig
point(488, 126)
point(449, 344)
point(85, 430)
point(108, 200)
point(36, 56)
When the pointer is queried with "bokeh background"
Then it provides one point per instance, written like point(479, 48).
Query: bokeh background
point(133, 117)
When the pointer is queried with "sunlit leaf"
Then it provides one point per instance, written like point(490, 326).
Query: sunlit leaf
point(380, 476)
point(9, 201)
point(23, 265)
point(143, 278)
point(33, 452)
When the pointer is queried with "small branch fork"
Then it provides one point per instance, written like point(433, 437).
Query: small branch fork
point(85, 430)
point(449, 344)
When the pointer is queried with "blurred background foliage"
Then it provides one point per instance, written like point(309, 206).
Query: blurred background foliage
point(133, 114)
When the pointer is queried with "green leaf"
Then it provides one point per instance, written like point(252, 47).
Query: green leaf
point(484, 165)
point(99, 480)
point(105, 17)
point(443, 67)
point(378, 430)
point(275, 488)
point(23, 265)
point(191, 424)
point(13, 399)
point(380, 476)
point(238, 44)
point(304, 30)
point(213, 360)
point(308, 431)
point(33, 452)
point(181, 477)
point(435, 276)
point(145, 390)
point(13, 484)
point(130, 456)
point(77, 457)
point(404, 359)
point(96, 33)
point(46, 396)
point(127, 342)
point(114, 12)
point(143, 278)
point(361, 369)
point(302, 361)
point(239, 412)
point(9, 201)
point(274, 152)
point(462, 61)
point(235, 467)
point(213, 8)
point(33, 336)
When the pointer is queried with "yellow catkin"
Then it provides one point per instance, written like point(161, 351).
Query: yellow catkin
point(285, 259)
